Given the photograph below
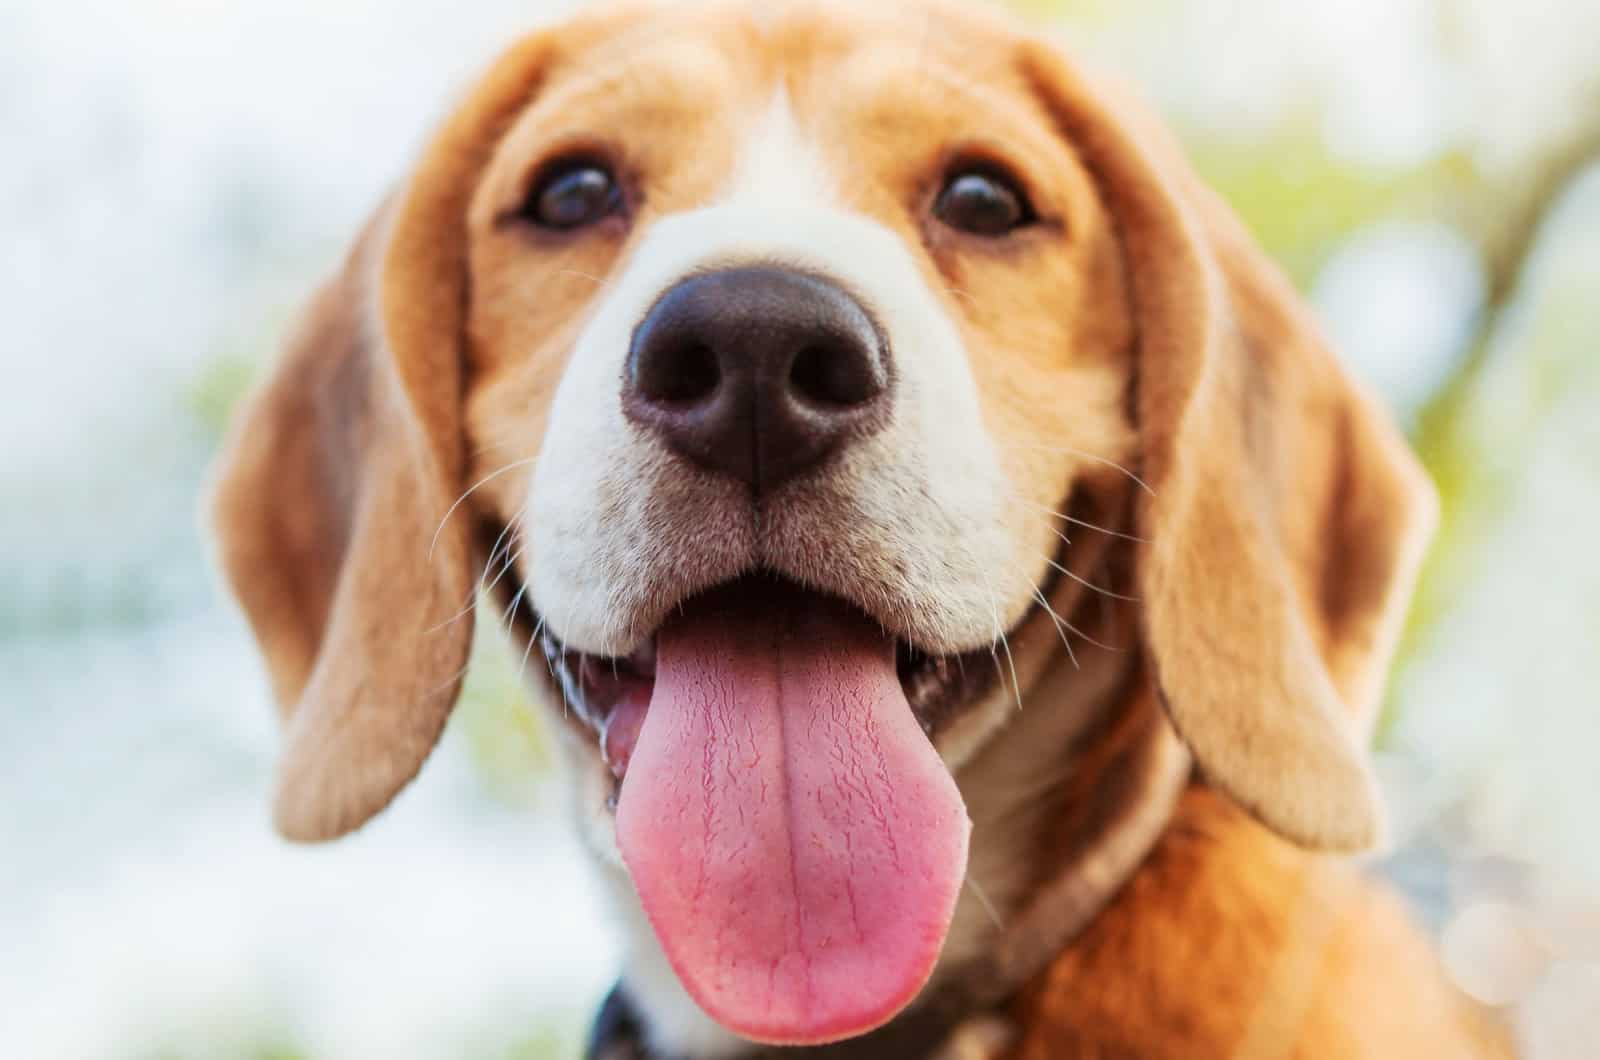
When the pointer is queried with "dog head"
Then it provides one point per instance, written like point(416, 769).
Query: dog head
point(777, 367)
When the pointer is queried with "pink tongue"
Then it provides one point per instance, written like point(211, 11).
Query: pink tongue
point(792, 834)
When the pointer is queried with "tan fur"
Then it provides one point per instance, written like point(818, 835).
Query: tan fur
point(1232, 943)
point(1285, 521)
point(1137, 361)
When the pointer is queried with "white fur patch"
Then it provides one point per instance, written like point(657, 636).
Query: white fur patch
point(907, 522)
point(778, 167)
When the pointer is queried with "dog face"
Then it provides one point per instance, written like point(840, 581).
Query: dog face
point(769, 150)
point(775, 367)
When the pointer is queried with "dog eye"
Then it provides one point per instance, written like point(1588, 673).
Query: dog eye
point(983, 203)
point(574, 195)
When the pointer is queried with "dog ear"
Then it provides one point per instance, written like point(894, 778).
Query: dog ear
point(1287, 517)
point(332, 502)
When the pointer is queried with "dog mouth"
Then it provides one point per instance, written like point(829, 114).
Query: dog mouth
point(795, 839)
point(610, 695)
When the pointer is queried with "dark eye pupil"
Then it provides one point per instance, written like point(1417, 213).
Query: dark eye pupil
point(981, 204)
point(575, 197)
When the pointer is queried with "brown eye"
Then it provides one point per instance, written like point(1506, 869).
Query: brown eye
point(983, 203)
point(573, 196)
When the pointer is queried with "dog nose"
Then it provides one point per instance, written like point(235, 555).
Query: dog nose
point(759, 372)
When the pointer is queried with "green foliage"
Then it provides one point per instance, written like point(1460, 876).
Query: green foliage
point(544, 1044)
point(505, 736)
point(1476, 436)
point(264, 1050)
point(1296, 199)
point(1301, 201)
point(218, 387)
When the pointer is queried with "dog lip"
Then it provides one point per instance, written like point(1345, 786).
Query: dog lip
point(939, 687)
point(596, 689)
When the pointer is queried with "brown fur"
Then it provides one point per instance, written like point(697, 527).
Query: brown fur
point(1272, 479)
point(1233, 943)
point(1280, 516)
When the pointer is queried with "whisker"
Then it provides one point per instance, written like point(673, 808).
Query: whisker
point(1094, 458)
point(453, 619)
point(494, 549)
point(450, 681)
point(1088, 584)
point(1061, 623)
point(983, 900)
point(1075, 521)
point(1055, 616)
point(1135, 538)
point(481, 589)
point(466, 609)
point(510, 529)
point(550, 667)
point(1011, 664)
point(510, 615)
point(1060, 632)
point(505, 568)
point(1050, 525)
point(470, 491)
point(527, 652)
point(1001, 641)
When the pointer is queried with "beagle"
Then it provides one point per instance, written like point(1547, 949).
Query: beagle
point(962, 575)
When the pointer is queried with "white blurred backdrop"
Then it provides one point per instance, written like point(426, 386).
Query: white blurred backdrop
point(178, 173)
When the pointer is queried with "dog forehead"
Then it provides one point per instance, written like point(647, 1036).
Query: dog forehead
point(762, 44)
point(705, 98)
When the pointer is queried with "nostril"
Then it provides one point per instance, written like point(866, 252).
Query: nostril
point(828, 375)
point(687, 375)
point(757, 372)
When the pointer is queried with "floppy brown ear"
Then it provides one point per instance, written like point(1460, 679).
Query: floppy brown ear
point(1288, 517)
point(332, 500)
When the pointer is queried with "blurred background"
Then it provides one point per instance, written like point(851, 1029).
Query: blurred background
point(178, 173)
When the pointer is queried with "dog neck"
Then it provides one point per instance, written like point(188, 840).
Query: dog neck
point(1074, 780)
